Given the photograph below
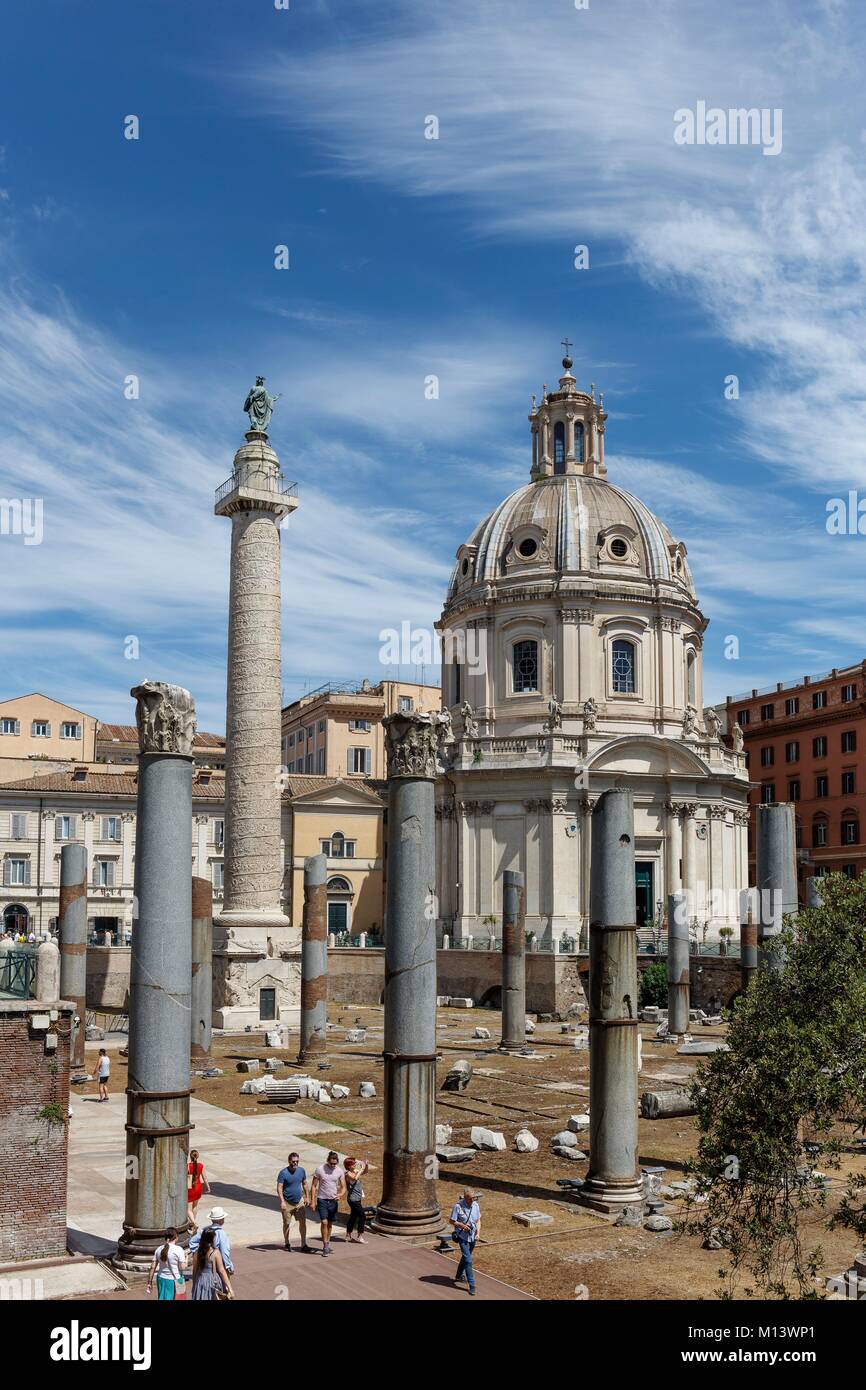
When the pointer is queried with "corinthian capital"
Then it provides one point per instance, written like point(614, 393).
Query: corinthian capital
point(416, 743)
point(165, 715)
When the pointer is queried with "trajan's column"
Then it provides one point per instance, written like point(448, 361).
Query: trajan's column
point(257, 952)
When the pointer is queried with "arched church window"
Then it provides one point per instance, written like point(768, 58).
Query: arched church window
point(338, 844)
point(690, 678)
point(525, 659)
point(623, 667)
point(578, 440)
point(559, 447)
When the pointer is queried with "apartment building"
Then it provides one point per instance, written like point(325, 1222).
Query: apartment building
point(118, 743)
point(35, 728)
point(339, 817)
point(336, 729)
point(805, 742)
point(97, 808)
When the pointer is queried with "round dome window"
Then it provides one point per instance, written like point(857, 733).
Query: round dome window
point(527, 548)
point(464, 568)
point(618, 548)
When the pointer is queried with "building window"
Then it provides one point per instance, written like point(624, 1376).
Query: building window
point(19, 825)
point(743, 718)
point(792, 752)
point(407, 704)
point(822, 786)
point(338, 847)
point(321, 726)
point(291, 740)
point(40, 728)
point(767, 711)
point(308, 763)
point(622, 667)
point(64, 827)
point(849, 741)
point(819, 747)
point(103, 873)
point(359, 726)
point(850, 830)
point(300, 736)
point(819, 699)
point(360, 761)
point(578, 440)
point(798, 835)
point(767, 757)
point(849, 693)
point(16, 873)
point(848, 783)
point(849, 870)
point(559, 447)
point(525, 666)
point(768, 793)
point(111, 828)
point(218, 873)
point(793, 791)
point(68, 729)
point(219, 833)
point(457, 686)
point(690, 678)
point(792, 705)
point(819, 834)
point(10, 726)
point(320, 762)
point(311, 729)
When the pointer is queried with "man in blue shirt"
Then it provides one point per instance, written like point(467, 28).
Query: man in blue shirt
point(294, 1196)
point(216, 1221)
point(466, 1220)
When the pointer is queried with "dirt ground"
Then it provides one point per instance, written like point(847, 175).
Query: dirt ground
point(581, 1254)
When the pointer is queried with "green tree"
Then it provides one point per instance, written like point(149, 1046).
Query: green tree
point(654, 985)
point(794, 1074)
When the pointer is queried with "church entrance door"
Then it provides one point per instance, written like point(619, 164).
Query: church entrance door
point(643, 890)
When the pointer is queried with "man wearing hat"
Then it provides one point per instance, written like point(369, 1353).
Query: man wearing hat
point(216, 1222)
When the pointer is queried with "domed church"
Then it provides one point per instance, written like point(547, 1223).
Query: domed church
point(572, 639)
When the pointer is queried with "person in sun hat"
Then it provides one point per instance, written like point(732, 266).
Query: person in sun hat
point(216, 1222)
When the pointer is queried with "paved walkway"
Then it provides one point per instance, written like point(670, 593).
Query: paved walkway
point(381, 1271)
point(241, 1154)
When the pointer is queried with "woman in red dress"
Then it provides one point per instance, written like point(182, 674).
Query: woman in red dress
point(197, 1183)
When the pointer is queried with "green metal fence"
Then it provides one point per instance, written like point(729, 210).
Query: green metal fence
point(18, 972)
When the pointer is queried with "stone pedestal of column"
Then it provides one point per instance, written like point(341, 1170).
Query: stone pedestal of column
point(201, 1001)
point(678, 964)
point(776, 878)
point(73, 947)
point(255, 944)
point(613, 1180)
point(157, 1129)
point(314, 959)
point(409, 1206)
point(513, 963)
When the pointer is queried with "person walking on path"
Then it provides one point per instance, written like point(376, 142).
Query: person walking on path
point(210, 1278)
point(169, 1262)
point(466, 1220)
point(329, 1185)
point(355, 1169)
point(103, 1071)
point(216, 1219)
point(294, 1196)
point(197, 1182)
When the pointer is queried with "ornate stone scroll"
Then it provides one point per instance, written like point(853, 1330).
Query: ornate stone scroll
point(165, 715)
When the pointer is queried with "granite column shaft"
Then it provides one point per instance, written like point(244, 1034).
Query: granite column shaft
point(513, 962)
point(678, 963)
point(314, 959)
point(73, 944)
point(776, 878)
point(201, 998)
point(613, 1180)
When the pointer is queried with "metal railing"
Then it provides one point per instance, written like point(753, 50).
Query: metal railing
point(259, 477)
point(18, 972)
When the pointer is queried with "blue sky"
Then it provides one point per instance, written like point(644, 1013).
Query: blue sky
point(411, 257)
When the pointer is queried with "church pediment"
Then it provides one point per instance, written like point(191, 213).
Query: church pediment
point(648, 755)
point(339, 794)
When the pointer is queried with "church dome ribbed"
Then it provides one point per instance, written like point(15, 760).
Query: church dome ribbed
point(571, 524)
